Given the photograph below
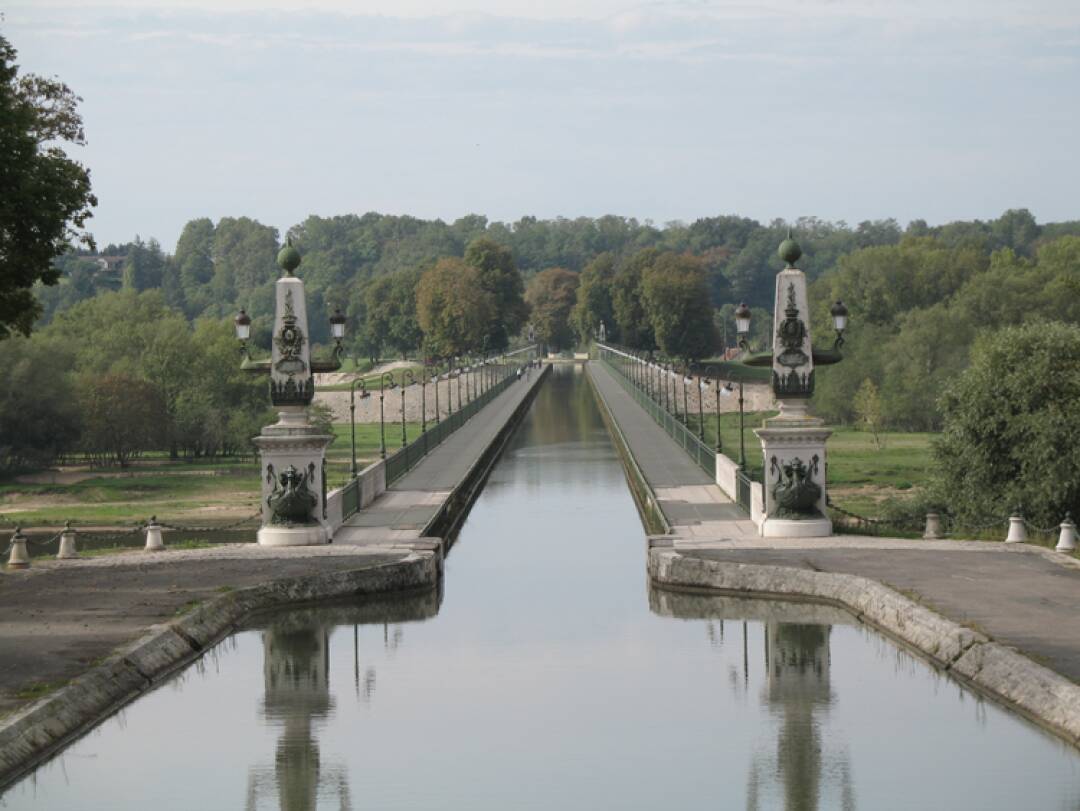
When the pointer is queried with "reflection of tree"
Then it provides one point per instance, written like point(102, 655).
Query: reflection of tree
point(797, 689)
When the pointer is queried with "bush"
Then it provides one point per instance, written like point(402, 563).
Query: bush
point(1011, 427)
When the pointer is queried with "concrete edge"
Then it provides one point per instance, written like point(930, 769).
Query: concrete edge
point(648, 504)
point(457, 504)
point(34, 733)
point(1034, 691)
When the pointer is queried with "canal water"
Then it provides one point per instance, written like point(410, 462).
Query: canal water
point(550, 675)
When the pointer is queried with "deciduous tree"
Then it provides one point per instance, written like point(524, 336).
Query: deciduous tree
point(45, 198)
point(551, 295)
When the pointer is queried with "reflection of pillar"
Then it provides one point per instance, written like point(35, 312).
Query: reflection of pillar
point(296, 677)
point(296, 663)
point(797, 688)
point(797, 684)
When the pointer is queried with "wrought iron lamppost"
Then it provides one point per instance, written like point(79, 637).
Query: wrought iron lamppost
point(412, 381)
point(423, 400)
point(714, 373)
point(382, 416)
point(685, 375)
point(435, 379)
point(292, 451)
point(702, 387)
point(352, 415)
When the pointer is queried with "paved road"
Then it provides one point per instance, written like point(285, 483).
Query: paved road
point(413, 500)
point(689, 498)
point(1022, 600)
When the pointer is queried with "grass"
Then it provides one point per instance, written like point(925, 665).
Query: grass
point(170, 491)
point(861, 476)
point(39, 689)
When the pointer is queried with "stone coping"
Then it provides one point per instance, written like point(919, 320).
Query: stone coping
point(1036, 692)
point(865, 542)
point(33, 733)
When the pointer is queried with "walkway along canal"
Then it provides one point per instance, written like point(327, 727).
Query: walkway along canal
point(549, 674)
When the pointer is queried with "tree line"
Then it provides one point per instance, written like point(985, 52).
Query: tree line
point(122, 374)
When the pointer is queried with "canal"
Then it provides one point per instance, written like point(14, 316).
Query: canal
point(549, 674)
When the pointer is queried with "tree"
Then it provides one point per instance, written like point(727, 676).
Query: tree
point(1011, 429)
point(633, 324)
point(551, 295)
point(39, 420)
point(868, 410)
point(454, 309)
point(46, 197)
point(195, 264)
point(675, 294)
point(499, 276)
point(122, 416)
point(594, 304)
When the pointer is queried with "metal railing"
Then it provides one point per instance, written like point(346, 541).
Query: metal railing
point(703, 456)
point(743, 484)
point(405, 459)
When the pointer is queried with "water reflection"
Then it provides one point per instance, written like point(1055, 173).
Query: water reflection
point(796, 691)
point(297, 698)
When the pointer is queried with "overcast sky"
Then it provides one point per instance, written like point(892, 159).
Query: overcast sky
point(842, 109)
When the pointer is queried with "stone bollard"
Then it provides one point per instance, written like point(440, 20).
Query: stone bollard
point(1017, 529)
point(67, 543)
point(153, 536)
point(933, 527)
point(1067, 538)
point(19, 559)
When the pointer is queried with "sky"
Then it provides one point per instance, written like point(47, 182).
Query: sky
point(840, 109)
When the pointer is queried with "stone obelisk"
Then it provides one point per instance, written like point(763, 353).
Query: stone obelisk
point(292, 452)
point(793, 442)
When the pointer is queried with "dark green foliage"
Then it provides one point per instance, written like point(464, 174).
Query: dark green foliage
point(594, 300)
point(45, 196)
point(499, 276)
point(39, 418)
point(675, 295)
point(1011, 431)
point(551, 296)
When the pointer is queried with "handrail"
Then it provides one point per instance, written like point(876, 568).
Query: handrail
point(702, 455)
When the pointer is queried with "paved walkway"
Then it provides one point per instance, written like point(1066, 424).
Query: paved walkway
point(691, 501)
point(60, 617)
point(405, 509)
point(1019, 595)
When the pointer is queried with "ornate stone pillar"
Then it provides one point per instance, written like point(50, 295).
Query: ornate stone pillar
point(292, 452)
point(793, 442)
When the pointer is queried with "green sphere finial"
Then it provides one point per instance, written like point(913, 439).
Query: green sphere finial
point(288, 258)
point(789, 250)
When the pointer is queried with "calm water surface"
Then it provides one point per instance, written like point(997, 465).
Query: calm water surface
point(549, 675)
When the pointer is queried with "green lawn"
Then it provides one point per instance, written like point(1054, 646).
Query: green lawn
point(201, 493)
point(861, 476)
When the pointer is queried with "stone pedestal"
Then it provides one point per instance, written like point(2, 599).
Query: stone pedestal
point(793, 445)
point(292, 463)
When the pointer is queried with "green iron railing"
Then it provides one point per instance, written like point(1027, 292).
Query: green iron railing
point(405, 459)
point(702, 454)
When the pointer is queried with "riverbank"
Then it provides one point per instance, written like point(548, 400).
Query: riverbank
point(82, 638)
